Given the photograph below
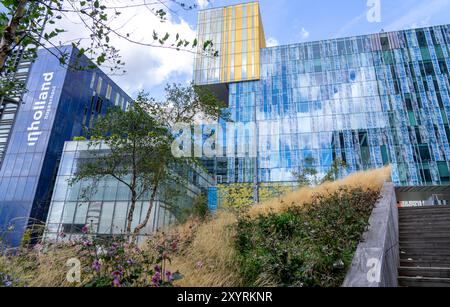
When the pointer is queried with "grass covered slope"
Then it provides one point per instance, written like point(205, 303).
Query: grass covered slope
point(306, 246)
point(306, 237)
point(373, 180)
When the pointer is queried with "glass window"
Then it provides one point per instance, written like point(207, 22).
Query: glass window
point(61, 188)
point(110, 189)
point(120, 218)
point(81, 213)
point(56, 212)
point(99, 85)
point(106, 218)
point(108, 92)
point(136, 215)
point(94, 76)
point(69, 212)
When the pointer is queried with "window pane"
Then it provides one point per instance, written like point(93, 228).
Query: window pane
point(120, 218)
point(106, 218)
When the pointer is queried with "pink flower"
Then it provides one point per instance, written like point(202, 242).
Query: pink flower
point(116, 283)
point(156, 279)
point(199, 265)
point(169, 276)
point(174, 246)
point(96, 265)
point(85, 229)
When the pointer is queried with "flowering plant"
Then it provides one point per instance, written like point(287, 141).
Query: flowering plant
point(115, 262)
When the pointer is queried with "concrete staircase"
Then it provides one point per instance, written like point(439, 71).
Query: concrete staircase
point(424, 246)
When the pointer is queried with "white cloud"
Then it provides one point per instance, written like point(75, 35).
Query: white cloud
point(304, 34)
point(344, 30)
point(272, 42)
point(420, 15)
point(202, 3)
point(146, 67)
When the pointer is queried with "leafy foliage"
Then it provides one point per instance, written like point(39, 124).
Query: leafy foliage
point(309, 176)
point(135, 148)
point(138, 155)
point(240, 196)
point(117, 263)
point(105, 262)
point(305, 246)
point(30, 24)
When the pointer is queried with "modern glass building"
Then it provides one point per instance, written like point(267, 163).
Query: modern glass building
point(59, 103)
point(8, 110)
point(105, 209)
point(368, 100)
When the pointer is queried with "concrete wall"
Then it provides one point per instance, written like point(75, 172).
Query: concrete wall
point(376, 260)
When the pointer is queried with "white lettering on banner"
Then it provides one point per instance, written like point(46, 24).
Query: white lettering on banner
point(34, 130)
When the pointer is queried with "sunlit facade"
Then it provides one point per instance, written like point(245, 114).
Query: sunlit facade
point(237, 34)
point(368, 101)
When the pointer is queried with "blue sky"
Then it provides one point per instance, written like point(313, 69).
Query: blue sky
point(293, 21)
point(323, 19)
point(285, 21)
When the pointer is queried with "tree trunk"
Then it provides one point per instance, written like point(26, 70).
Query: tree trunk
point(149, 212)
point(131, 212)
point(10, 34)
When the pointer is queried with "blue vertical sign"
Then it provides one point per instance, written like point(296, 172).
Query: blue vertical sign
point(212, 199)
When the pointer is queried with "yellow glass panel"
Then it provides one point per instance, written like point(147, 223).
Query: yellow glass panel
point(228, 55)
point(246, 38)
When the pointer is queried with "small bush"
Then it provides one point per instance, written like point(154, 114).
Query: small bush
point(311, 245)
point(79, 138)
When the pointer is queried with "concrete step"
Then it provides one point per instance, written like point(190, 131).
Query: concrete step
point(424, 245)
point(433, 254)
point(425, 223)
point(424, 272)
point(441, 216)
point(424, 209)
point(423, 235)
point(431, 209)
point(426, 228)
point(404, 262)
point(416, 261)
point(421, 219)
point(425, 250)
point(439, 241)
point(423, 282)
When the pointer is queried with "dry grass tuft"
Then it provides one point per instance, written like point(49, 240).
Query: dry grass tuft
point(46, 268)
point(373, 179)
point(210, 259)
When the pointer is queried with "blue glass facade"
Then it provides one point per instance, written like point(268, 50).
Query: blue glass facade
point(368, 101)
point(59, 103)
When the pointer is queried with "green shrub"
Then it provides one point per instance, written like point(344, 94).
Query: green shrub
point(200, 208)
point(309, 246)
point(79, 138)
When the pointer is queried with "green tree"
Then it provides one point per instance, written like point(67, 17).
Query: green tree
point(138, 155)
point(139, 148)
point(335, 171)
point(29, 24)
point(307, 175)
